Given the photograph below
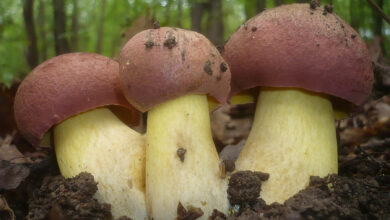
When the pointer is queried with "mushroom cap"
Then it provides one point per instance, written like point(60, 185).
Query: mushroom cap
point(300, 47)
point(64, 86)
point(157, 65)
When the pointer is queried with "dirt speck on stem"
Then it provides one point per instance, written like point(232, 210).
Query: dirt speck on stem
point(181, 152)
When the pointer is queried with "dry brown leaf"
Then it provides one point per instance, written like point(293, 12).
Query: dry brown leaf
point(9, 152)
point(13, 168)
point(11, 175)
point(229, 130)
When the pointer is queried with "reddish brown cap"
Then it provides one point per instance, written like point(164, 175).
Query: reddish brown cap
point(64, 86)
point(303, 47)
point(161, 64)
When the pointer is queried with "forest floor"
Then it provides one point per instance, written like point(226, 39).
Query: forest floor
point(31, 185)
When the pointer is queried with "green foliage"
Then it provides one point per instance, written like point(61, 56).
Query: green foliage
point(12, 41)
point(120, 15)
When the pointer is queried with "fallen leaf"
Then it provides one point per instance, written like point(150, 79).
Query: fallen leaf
point(11, 175)
point(11, 154)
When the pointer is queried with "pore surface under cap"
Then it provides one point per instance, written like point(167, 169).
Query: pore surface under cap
point(161, 64)
point(297, 46)
point(64, 86)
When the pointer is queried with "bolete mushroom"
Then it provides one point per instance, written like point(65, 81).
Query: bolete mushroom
point(302, 56)
point(171, 72)
point(71, 92)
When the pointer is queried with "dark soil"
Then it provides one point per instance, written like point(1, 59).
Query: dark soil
point(149, 44)
point(223, 67)
point(332, 197)
point(315, 3)
point(207, 68)
point(190, 214)
point(60, 198)
point(244, 187)
point(170, 42)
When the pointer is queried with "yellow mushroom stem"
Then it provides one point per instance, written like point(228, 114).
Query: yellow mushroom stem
point(293, 137)
point(242, 98)
point(99, 143)
point(182, 164)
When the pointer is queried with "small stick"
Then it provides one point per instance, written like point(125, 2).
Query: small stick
point(379, 10)
point(382, 163)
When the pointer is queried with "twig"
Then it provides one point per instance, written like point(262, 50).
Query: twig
point(376, 143)
point(383, 163)
point(379, 10)
point(385, 69)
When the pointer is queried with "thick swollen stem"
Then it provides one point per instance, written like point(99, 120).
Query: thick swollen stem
point(99, 143)
point(293, 137)
point(182, 164)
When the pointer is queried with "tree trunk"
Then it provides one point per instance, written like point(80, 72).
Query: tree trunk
point(168, 12)
point(32, 49)
point(61, 43)
point(253, 7)
point(278, 2)
point(260, 5)
point(250, 8)
point(378, 21)
point(99, 42)
point(354, 14)
point(179, 13)
point(196, 16)
point(378, 24)
point(41, 22)
point(215, 28)
point(74, 39)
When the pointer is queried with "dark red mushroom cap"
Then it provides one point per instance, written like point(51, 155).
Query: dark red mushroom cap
point(300, 46)
point(64, 86)
point(165, 63)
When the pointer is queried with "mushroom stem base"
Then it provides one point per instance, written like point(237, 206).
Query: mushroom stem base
point(293, 137)
point(182, 164)
point(99, 143)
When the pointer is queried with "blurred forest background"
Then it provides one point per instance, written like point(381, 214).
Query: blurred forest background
point(32, 31)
